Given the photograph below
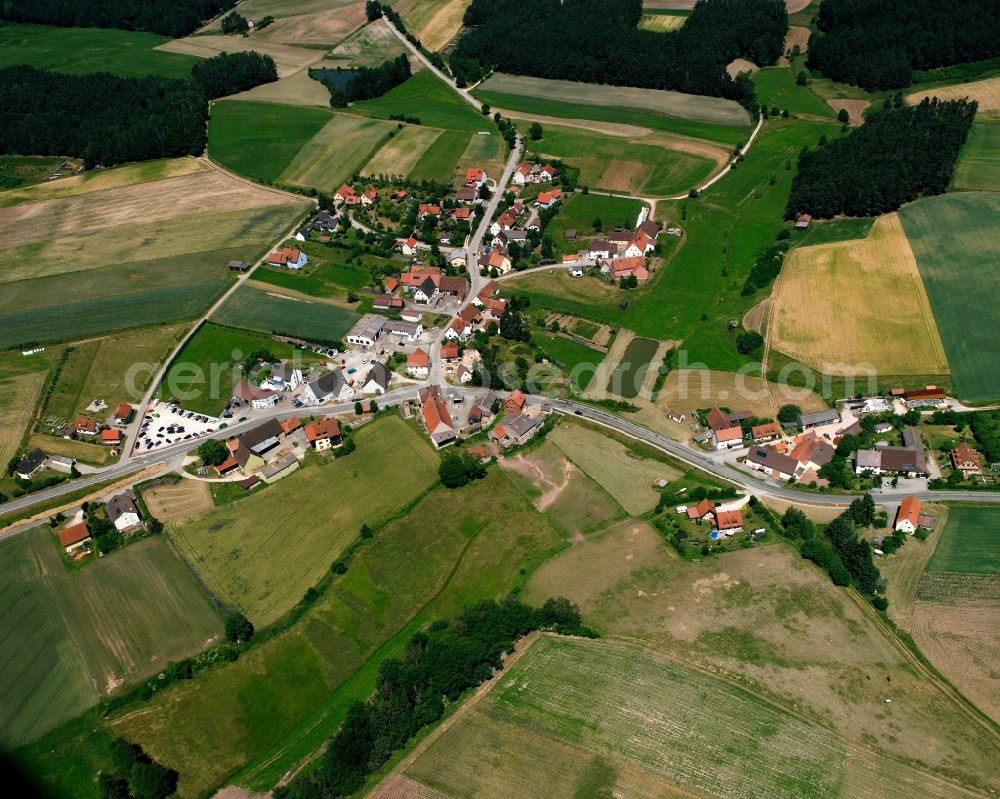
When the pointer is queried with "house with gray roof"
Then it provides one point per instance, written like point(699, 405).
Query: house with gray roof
point(331, 386)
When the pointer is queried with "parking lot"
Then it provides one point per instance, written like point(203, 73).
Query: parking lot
point(167, 424)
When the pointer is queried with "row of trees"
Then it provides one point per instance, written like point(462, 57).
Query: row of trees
point(167, 17)
point(438, 665)
point(878, 45)
point(229, 73)
point(370, 82)
point(900, 153)
point(598, 41)
point(106, 119)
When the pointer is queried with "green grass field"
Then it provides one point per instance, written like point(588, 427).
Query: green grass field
point(254, 309)
point(970, 543)
point(579, 212)
point(776, 86)
point(80, 50)
point(202, 376)
point(956, 251)
point(68, 639)
point(978, 167)
point(621, 164)
point(324, 506)
point(260, 140)
point(249, 722)
point(830, 231)
point(25, 170)
point(576, 360)
point(579, 718)
point(340, 148)
point(628, 376)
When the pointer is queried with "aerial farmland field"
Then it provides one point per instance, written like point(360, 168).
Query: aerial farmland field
point(986, 92)
point(270, 312)
point(82, 50)
point(337, 151)
point(229, 545)
point(71, 638)
point(288, 58)
point(579, 212)
point(18, 396)
point(92, 268)
point(956, 253)
point(629, 373)
point(434, 22)
point(888, 326)
point(978, 166)
point(400, 154)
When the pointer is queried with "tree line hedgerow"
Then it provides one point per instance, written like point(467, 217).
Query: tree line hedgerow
point(879, 45)
point(106, 119)
point(598, 41)
point(410, 693)
point(901, 153)
point(167, 17)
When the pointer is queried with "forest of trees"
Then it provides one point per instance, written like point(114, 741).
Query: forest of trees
point(229, 73)
point(597, 41)
point(101, 118)
point(167, 17)
point(901, 153)
point(438, 665)
point(877, 44)
point(370, 82)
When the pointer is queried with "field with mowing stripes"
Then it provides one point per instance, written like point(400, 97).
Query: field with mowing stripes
point(402, 152)
point(232, 548)
point(953, 239)
point(184, 499)
point(434, 22)
point(978, 167)
point(265, 312)
point(336, 152)
point(68, 639)
point(819, 313)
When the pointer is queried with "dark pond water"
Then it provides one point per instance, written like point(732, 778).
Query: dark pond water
point(335, 77)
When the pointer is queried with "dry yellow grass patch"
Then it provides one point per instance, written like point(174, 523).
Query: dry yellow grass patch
point(756, 317)
point(862, 301)
point(400, 154)
point(855, 108)
point(985, 92)
point(183, 500)
point(287, 58)
point(620, 175)
point(297, 89)
point(686, 390)
point(18, 396)
point(796, 36)
point(738, 65)
point(661, 22)
point(434, 22)
point(329, 26)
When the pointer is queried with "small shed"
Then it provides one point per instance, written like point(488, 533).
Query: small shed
point(803, 221)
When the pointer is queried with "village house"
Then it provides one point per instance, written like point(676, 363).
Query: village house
point(908, 516)
point(505, 221)
point(618, 241)
point(902, 461)
point(425, 210)
point(467, 195)
point(346, 195)
point(31, 463)
point(453, 286)
point(450, 352)
point(474, 177)
point(406, 331)
point(724, 434)
point(458, 330)
point(818, 419)
point(770, 461)
point(812, 452)
point(926, 397)
point(437, 420)
point(111, 438)
point(965, 459)
point(282, 377)
point(123, 414)
point(75, 539)
point(279, 468)
point(123, 512)
point(701, 511)
point(331, 386)
point(246, 459)
point(640, 244)
point(599, 250)
point(409, 246)
point(255, 396)
point(494, 259)
point(290, 425)
point(377, 380)
point(418, 364)
point(290, 257)
point(764, 432)
point(369, 196)
point(515, 402)
point(530, 172)
point(727, 521)
point(515, 428)
point(634, 266)
point(87, 427)
point(547, 199)
point(510, 236)
point(491, 289)
point(324, 434)
point(366, 331)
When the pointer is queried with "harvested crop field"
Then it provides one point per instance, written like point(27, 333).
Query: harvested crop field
point(287, 58)
point(400, 154)
point(69, 639)
point(738, 65)
point(369, 47)
point(184, 499)
point(566, 721)
point(956, 249)
point(686, 390)
point(855, 109)
point(629, 477)
point(18, 397)
point(887, 326)
point(329, 26)
point(434, 22)
point(688, 106)
point(985, 92)
point(297, 89)
point(771, 622)
point(978, 167)
point(232, 547)
point(336, 152)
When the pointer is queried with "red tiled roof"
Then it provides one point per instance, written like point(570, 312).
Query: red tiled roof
point(909, 509)
point(729, 434)
point(728, 519)
point(418, 358)
point(764, 430)
point(291, 425)
point(716, 419)
point(700, 510)
point(435, 414)
point(324, 428)
point(111, 436)
point(74, 534)
point(516, 398)
point(123, 411)
point(227, 465)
